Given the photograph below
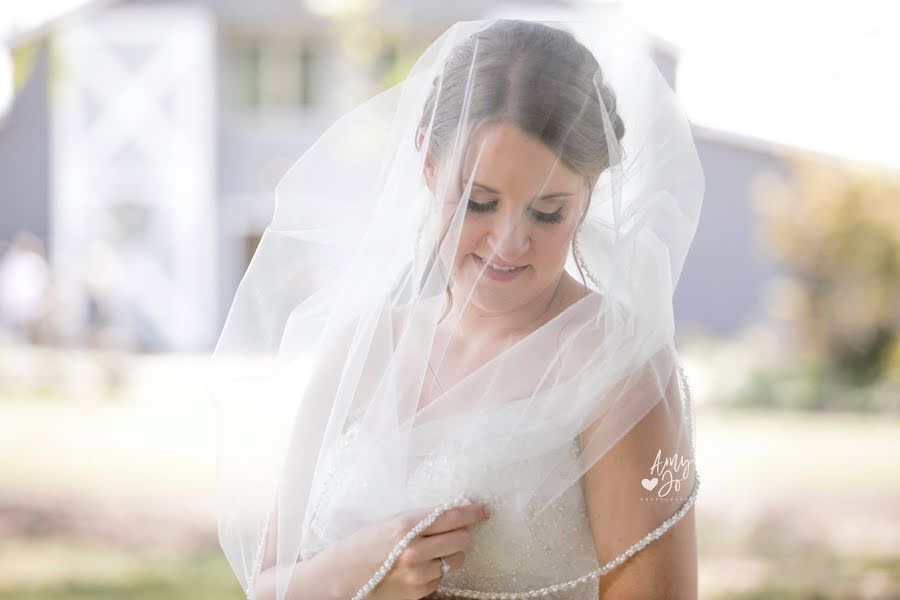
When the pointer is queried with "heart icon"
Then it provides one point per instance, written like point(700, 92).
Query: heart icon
point(649, 484)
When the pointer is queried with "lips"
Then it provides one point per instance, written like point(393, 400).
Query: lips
point(498, 272)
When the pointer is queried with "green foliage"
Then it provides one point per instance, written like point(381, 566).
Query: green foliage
point(836, 227)
point(204, 576)
point(809, 383)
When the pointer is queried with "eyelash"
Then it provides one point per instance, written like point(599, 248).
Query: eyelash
point(542, 217)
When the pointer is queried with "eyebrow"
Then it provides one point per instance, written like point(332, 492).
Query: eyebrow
point(560, 195)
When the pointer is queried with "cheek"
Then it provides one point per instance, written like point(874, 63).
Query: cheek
point(551, 245)
point(468, 243)
point(469, 237)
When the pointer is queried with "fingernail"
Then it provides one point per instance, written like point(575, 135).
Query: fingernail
point(487, 510)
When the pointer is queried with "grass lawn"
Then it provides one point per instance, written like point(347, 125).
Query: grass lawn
point(792, 505)
point(66, 570)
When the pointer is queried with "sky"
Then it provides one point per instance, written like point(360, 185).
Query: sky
point(817, 75)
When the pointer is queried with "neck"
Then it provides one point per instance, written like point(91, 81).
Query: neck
point(476, 324)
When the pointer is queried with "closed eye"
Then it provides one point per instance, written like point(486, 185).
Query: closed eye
point(481, 207)
point(540, 216)
point(554, 217)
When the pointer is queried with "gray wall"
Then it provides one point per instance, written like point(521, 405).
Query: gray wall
point(722, 284)
point(25, 159)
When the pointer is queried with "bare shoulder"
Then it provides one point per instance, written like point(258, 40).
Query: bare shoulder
point(622, 511)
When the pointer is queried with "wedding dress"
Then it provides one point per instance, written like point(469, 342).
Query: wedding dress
point(586, 175)
point(515, 549)
point(518, 550)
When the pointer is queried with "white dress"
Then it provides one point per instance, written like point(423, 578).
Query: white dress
point(515, 550)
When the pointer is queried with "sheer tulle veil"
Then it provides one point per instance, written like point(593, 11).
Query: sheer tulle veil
point(358, 283)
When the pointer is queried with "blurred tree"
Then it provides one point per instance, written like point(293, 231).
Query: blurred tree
point(836, 226)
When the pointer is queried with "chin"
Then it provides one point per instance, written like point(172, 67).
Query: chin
point(499, 294)
point(489, 298)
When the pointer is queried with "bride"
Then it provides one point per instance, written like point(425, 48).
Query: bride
point(449, 370)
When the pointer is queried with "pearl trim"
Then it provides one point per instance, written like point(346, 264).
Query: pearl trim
point(403, 543)
point(555, 588)
point(398, 549)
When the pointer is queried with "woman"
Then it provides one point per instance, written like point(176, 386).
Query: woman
point(449, 369)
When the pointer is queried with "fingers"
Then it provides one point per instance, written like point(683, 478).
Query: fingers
point(455, 560)
point(425, 577)
point(418, 568)
point(423, 549)
point(455, 518)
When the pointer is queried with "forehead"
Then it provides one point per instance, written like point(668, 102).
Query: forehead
point(515, 162)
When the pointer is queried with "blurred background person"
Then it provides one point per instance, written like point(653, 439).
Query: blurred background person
point(24, 288)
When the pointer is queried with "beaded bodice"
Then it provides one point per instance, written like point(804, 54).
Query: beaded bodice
point(517, 553)
point(517, 548)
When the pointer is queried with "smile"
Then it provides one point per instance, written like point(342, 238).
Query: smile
point(497, 272)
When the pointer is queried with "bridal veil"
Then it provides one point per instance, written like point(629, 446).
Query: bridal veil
point(334, 325)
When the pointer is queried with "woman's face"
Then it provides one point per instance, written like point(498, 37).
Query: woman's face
point(522, 212)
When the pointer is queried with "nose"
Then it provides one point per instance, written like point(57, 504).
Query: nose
point(509, 238)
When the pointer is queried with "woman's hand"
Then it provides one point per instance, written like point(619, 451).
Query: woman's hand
point(338, 571)
point(417, 571)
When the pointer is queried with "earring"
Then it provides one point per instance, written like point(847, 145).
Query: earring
point(579, 260)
